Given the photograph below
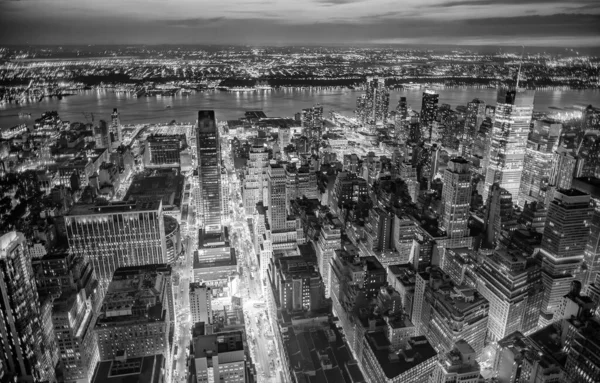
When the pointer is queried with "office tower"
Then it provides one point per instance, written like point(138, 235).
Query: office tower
point(429, 109)
point(255, 187)
point(300, 183)
point(563, 246)
point(200, 303)
point(458, 366)
point(514, 109)
point(460, 265)
point(102, 135)
point(277, 197)
point(23, 356)
point(378, 230)
point(209, 170)
point(163, 151)
point(403, 238)
point(73, 318)
point(500, 220)
point(348, 188)
point(401, 123)
point(521, 359)
point(136, 314)
point(312, 125)
point(537, 163)
point(408, 173)
point(220, 357)
point(581, 344)
point(474, 118)
point(330, 240)
point(592, 250)
point(512, 285)
point(115, 127)
point(372, 107)
point(591, 117)
point(298, 284)
point(456, 197)
point(117, 234)
point(588, 154)
point(563, 169)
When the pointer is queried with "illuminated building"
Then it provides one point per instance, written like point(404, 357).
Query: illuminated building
point(347, 189)
point(591, 117)
point(459, 365)
point(298, 284)
point(312, 124)
point(115, 127)
point(117, 234)
point(136, 314)
point(372, 107)
point(379, 230)
point(163, 151)
point(209, 170)
point(563, 168)
point(582, 347)
point(456, 197)
point(300, 182)
point(513, 286)
point(474, 118)
point(24, 355)
point(102, 135)
point(255, 188)
point(563, 245)
point(460, 265)
point(219, 357)
point(330, 240)
point(512, 118)
point(500, 220)
point(538, 161)
point(401, 123)
point(429, 109)
point(277, 197)
point(200, 303)
point(592, 249)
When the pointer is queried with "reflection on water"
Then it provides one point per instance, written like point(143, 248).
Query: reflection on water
point(284, 102)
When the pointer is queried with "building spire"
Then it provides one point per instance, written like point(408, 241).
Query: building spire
point(520, 64)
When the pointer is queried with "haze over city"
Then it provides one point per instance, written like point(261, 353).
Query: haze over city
point(314, 22)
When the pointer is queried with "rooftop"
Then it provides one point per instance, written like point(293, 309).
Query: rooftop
point(147, 369)
point(86, 209)
point(394, 364)
point(219, 343)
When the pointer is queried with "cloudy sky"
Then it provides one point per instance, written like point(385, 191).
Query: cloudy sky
point(465, 22)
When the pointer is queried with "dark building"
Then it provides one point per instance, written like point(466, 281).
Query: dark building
point(209, 170)
point(163, 150)
point(429, 109)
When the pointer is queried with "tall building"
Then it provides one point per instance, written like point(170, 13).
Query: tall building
point(512, 285)
point(219, 357)
point(330, 240)
point(102, 135)
point(514, 109)
point(563, 246)
point(23, 355)
point(500, 220)
point(136, 314)
point(537, 163)
point(312, 124)
point(474, 118)
point(209, 170)
point(592, 250)
point(298, 285)
point(117, 234)
point(429, 109)
point(456, 197)
point(277, 211)
point(255, 188)
point(348, 188)
point(200, 303)
point(458, 366)
point(562, 169)
point(115, 127)
point(372, 107)
point(401, 123)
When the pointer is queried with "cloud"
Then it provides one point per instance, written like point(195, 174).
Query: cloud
point(333, 3)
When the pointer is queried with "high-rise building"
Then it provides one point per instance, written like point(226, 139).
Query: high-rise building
point(429, 109)
point(330, 240)
point(563, 246)
point(200, 303)
point(474, 118)
point(255, 188)
point(209, 170)
point(514, 109)
point(136, 314)
point(512, 285)
point(348, 188)
point(582, 347)
point(372, 107)
point(102, 135)
point(312, 124)
point(401, 123)
point(24, 355)
point(379, 230)
point(458, 366)
point(117, 234)
point(500, 220)
point(298, 284)
point(537, 163)
point(591, 117)
point(219, 357)
point(277, 197)
point(562, 169)
point(115, 127)
point(456, 197)
point(592, 249)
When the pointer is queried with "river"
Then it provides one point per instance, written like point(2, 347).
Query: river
point(275, 103)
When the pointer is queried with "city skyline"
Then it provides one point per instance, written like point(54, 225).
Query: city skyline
point(472, 22)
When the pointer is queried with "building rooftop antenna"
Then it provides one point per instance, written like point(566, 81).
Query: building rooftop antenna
point(520, 64)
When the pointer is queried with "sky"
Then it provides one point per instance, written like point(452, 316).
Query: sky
point(549, 23)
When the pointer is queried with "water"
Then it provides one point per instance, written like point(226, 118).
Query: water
point(275, 103)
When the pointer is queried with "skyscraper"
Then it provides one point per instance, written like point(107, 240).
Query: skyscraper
point(429, 108)
point(22, 353)
point(201, 303)
point(401, 129)
point(312, 123)
point(116, 235)
point(255, 179)
point(373, 106)
point(115, 127)
point(474, 118)
point(209, 170)
point(514, 109)
point(456, 197)
point(538, 161)
point(564, 241)
point(277, 194)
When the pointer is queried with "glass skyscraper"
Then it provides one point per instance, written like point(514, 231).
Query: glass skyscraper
point(209, 170)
